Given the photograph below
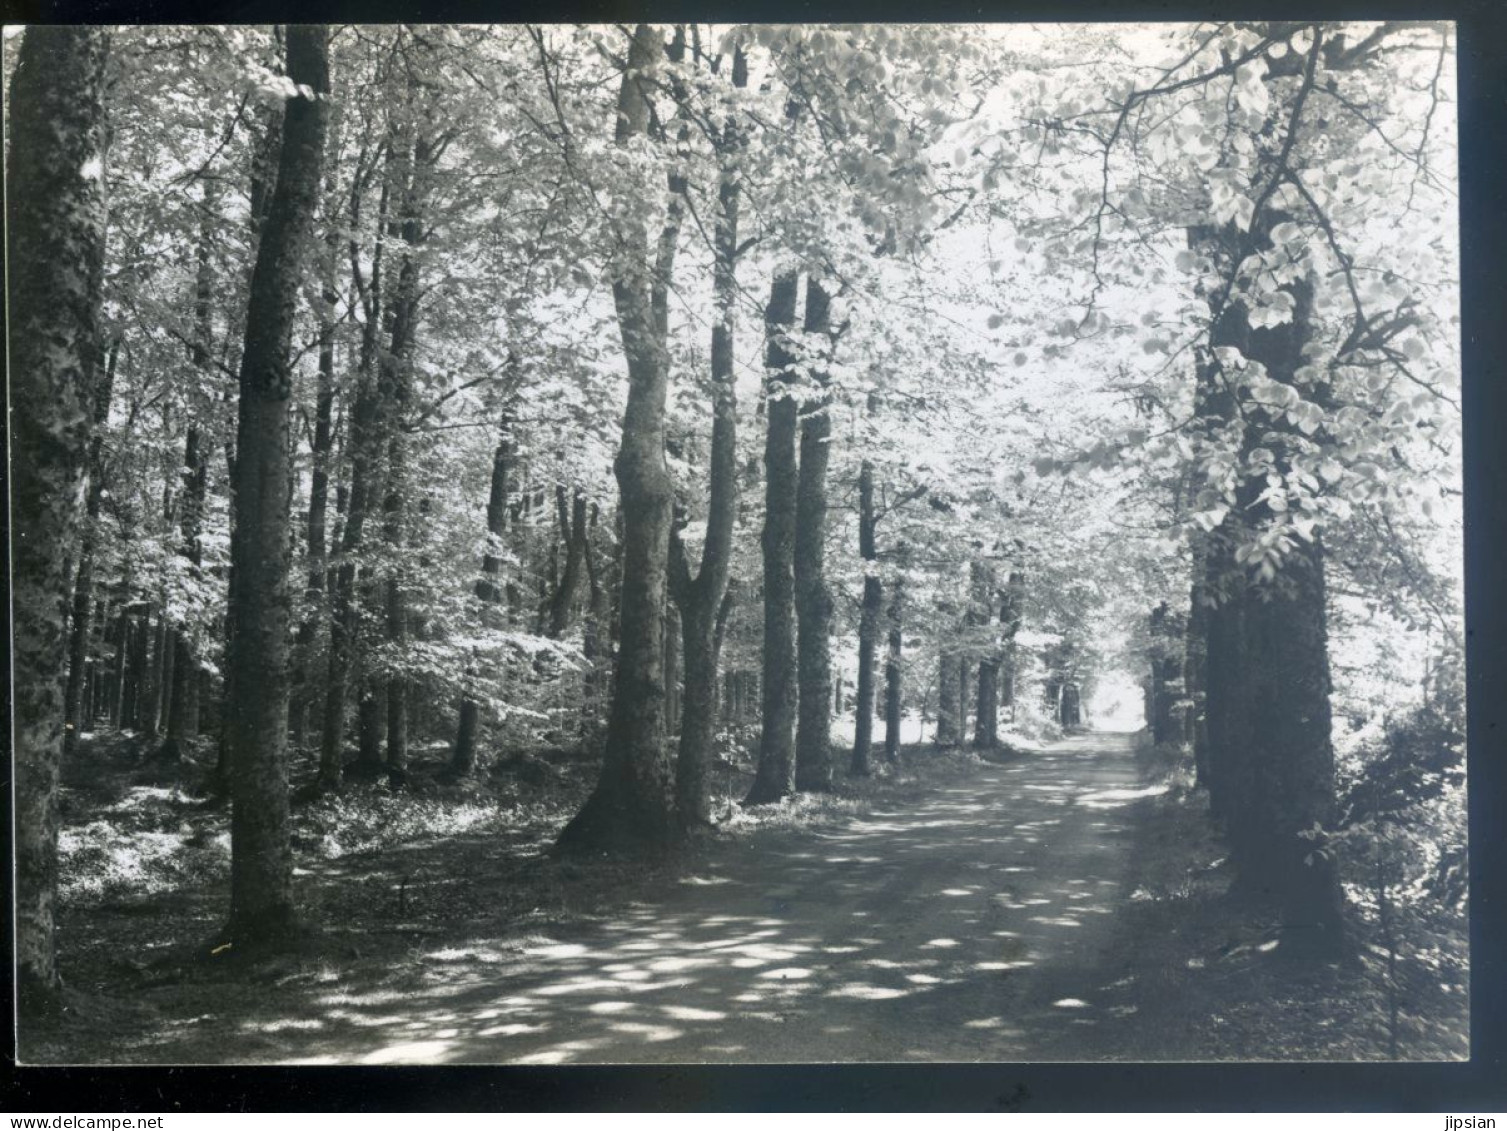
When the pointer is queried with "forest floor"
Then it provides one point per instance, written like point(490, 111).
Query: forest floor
point(1051, 905)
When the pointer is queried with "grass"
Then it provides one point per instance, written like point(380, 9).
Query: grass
point(1208, 973)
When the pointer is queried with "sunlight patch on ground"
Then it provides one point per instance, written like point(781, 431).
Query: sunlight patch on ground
point(867, 993)
point(1059, 921)
point(1071, 1003)
point(559, 1054)
point(578, 986)
point(691, 1013)
point(372, 997)
point(705, 881)
point(609, 1006)
point(368, 1020)
point(284, 1025)
point(671, 965)
point(408, 1052)
point(652, 1033)
point(942, 943)
point(1114, 798)
point(1020, 965)
point(468, 954)
point(512, 1029)
point(787, 972)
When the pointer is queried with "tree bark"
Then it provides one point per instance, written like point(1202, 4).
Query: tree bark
point(986, 722)
point(947, 698)
point(395, 377)
point(775, 775)
point(183, 712)
point(572, 518)
point(893, 674)
point(632, 806)
point(487, 589)
point(317, 537)
point(965, 685)
point(261, 895)
point(703, 601)
point(813, 602)
point(1195, 648)
point(55, 229)
point(1266, 669)
point(366, 443)
point(868, 622)
point(80, 624)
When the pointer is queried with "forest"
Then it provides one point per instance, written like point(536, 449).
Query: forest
point(543, 543)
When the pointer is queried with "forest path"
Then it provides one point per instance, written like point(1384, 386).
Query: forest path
point(975, 924)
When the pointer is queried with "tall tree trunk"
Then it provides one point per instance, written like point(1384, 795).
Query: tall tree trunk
point(395, 375)
point(986, 722)
point(632, 805)
point(947, 697)
point(183, 711)
point(704, 601)
point(366, 442)
point(261, 874)
point(80, 624)
point(159, 676)
point(965, 685)
point(775, 776)
point(183, 717)
point(893, 674)
point(868, 622)
point(572, 520)
point(813, 603)
point(672, 670)
point(1195, 649)
point(55, 230)
point(487, 590)
point(317, 535)
point(1266, 670)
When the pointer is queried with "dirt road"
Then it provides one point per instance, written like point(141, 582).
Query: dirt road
point(975, 925)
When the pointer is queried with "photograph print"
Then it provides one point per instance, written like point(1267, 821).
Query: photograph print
point(690, 543)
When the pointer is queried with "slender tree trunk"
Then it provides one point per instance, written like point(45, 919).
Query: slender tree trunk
point(183, 713)
point(775, 776)
point(80, 624)
point(947, 698)
point(395, 370)
point(159, 676)
point(965, 686)
point(55, 231)
point(813, 603)
point(366, 443)
point(704, 601)
point(487, 589)
point(572, 520)
point(1195, 645)
point(986, 722)
point(893, 674)
point(632, 805)
point(317, 557)
point(261, 895)
point(868, 622)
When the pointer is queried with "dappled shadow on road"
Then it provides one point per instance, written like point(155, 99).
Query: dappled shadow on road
point(969, 926)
